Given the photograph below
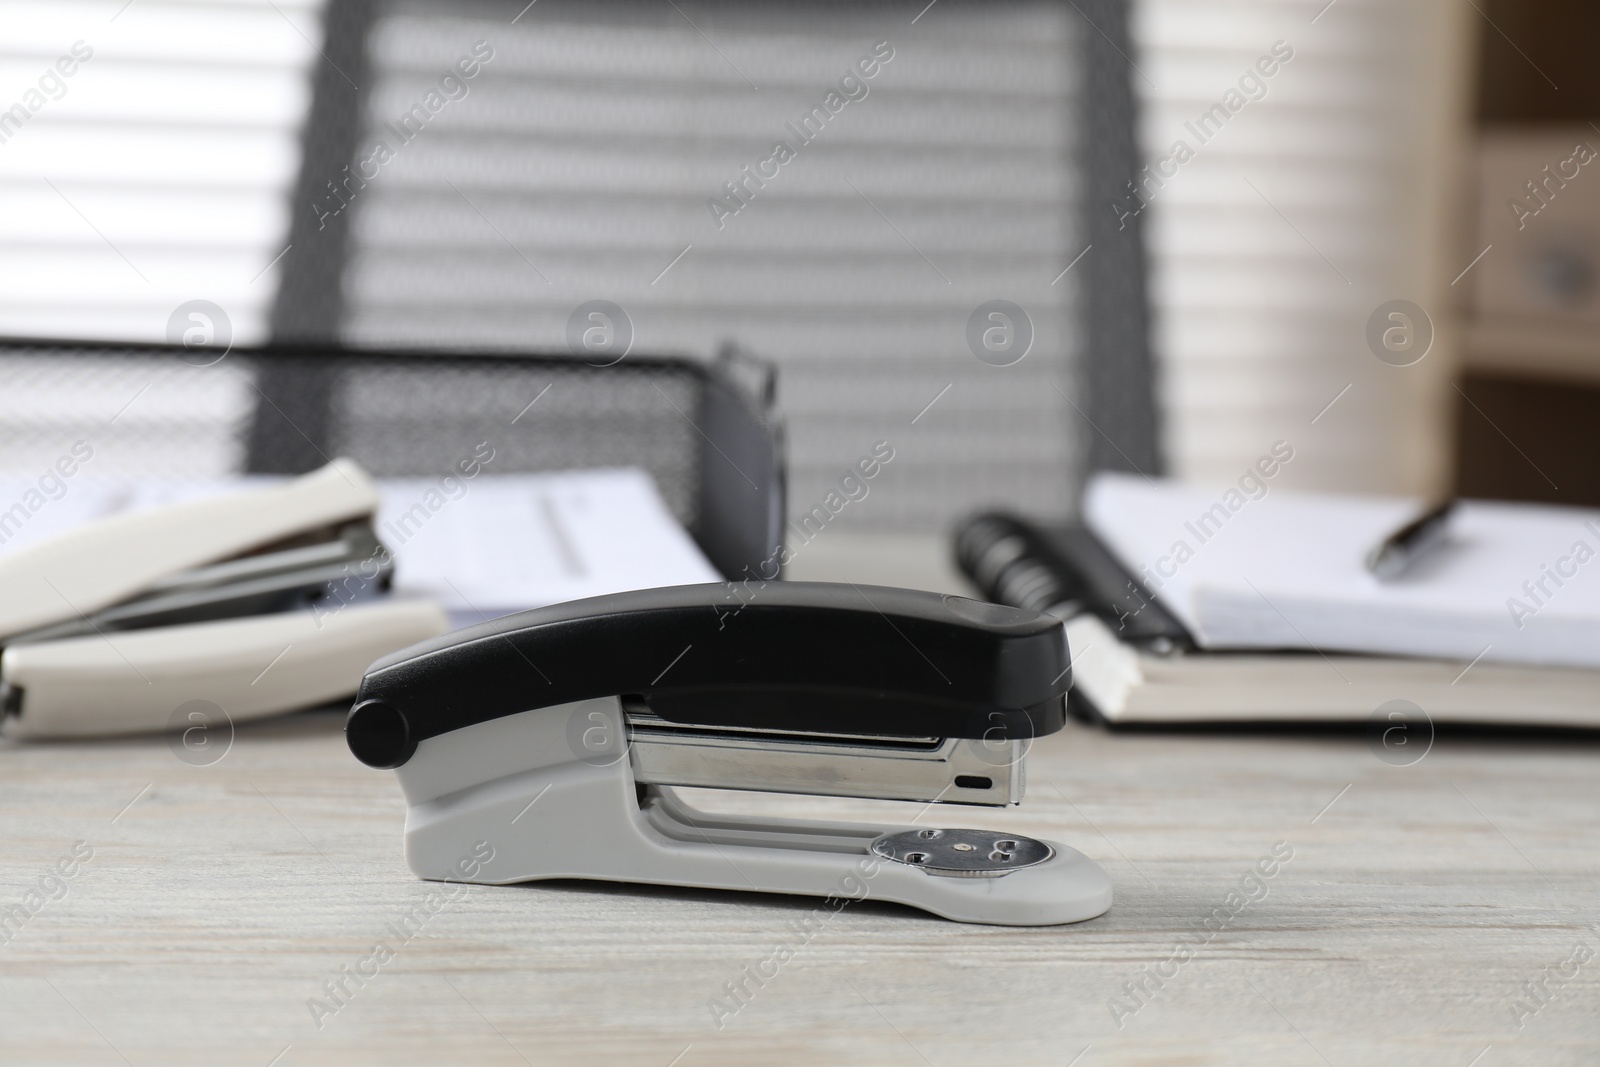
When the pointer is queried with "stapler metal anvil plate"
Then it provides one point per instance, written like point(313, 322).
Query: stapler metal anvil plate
point(111, 627)
point(556, 739)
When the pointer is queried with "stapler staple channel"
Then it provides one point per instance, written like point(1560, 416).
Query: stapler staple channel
point(560, 736)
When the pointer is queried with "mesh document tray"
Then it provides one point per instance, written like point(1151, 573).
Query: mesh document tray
point(151, 411)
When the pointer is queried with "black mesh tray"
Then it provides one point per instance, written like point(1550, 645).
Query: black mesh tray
point(709, 438)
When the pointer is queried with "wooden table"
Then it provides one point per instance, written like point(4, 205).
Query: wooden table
point(218, 901)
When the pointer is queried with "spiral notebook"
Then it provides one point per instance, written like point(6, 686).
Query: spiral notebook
point(1514, 583)
point(1133, 661)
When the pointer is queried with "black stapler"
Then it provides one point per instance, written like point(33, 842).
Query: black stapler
point(552, 741)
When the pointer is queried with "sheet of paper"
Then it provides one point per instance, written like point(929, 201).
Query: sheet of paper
point(508, 542)
point(1514, 582)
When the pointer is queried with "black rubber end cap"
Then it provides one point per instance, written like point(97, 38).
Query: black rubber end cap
point(378, 735)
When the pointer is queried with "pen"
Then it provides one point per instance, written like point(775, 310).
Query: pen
point(1391, 556)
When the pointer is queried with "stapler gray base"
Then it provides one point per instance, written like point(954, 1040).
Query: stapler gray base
point(552, 793)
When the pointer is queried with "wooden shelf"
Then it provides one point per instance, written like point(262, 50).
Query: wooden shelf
point(1534, 348)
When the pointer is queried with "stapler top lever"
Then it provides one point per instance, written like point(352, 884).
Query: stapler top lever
point(555, 739)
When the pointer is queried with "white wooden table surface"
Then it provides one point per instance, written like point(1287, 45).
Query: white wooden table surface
point(219, 900)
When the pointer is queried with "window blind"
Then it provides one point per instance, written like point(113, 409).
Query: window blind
point(1314, 195)
point(146, 150)
point(582, 160)
point(156, 172)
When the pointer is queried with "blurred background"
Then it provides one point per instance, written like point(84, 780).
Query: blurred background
point(1193, 211)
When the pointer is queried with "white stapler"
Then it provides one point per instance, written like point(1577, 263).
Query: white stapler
point(258, 602)
point(548, 744)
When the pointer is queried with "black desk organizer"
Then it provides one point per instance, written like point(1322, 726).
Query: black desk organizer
point(707, 432)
